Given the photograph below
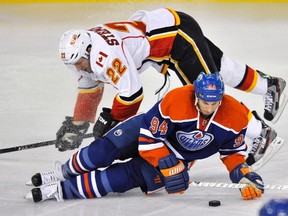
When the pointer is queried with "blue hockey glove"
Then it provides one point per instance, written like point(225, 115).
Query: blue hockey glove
point(175, 174)
point(243, 175)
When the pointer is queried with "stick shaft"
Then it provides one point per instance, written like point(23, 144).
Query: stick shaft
point(234, 185)
point(35, 145)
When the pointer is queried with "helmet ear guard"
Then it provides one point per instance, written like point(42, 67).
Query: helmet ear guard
point(73, 45)
point(209, 87)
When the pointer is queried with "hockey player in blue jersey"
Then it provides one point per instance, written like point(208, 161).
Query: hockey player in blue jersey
point(189, 123)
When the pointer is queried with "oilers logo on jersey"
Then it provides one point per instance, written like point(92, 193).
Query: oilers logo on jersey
point(118, 132)
point(194, 140)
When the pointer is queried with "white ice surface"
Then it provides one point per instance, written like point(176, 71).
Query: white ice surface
point(37, 91)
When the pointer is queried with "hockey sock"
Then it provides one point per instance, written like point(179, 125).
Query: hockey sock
point(119, 177)
point(100, 153)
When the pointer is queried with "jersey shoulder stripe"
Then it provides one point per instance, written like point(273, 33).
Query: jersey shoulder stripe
point(232, 114)
point(178, 104)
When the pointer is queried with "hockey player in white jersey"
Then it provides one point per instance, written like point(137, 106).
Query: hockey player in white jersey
point(116, 53)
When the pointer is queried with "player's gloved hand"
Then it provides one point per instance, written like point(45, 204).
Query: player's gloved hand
point(254, 188)
point(70, 136)
point(175, 174)
point(243, 175)
point(104, 123)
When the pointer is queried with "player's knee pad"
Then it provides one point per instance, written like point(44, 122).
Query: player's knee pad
point(132, 174)
point(124, 176)
point(125, 136)
point(102, 152)
point(154, 180)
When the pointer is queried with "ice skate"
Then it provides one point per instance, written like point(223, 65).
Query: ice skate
point(46, 192)
point(43, 178)
point(261, 143)
point(273, 106)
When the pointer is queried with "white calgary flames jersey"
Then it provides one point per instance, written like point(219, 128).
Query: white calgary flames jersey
point(120, 50)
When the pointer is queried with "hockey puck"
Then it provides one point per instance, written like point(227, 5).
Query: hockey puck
point(214, 203)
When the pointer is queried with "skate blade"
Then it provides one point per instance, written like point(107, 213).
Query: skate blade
point(283, 104)
point(29, 183)
point(29, 196)
point(273, 148)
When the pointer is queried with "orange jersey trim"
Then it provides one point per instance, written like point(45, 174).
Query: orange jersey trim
point(233, 161)
point(75, 165)
point(87, 187)
point(154, 155)
point(143, 139)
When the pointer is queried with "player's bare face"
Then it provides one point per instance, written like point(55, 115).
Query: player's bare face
point(84, 65)
point(207, 108)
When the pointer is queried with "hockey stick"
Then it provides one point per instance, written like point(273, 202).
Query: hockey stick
point(234, 185)
point(35, 145)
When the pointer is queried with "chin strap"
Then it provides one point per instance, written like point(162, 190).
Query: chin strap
point(196, 103)
point(87, 53)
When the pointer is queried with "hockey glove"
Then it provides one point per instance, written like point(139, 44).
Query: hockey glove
point(175, 174)
point(104, 123)
point(243, 175)
point(70, 136)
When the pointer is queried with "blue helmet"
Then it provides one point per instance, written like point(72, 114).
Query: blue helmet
point(275, 207)
point(209, 87)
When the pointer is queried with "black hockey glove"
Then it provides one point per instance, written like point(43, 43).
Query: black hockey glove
point(104, 123)
point(70, 136)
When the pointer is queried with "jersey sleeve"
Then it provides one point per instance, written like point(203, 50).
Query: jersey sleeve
point(233, 161)
point(153, 132)
point(233, 151)
point(90, 94)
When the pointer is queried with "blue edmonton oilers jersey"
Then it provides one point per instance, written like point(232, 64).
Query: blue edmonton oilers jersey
point(175, 125)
